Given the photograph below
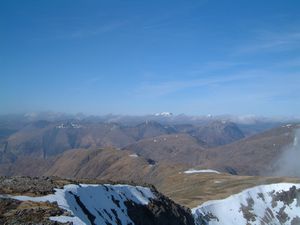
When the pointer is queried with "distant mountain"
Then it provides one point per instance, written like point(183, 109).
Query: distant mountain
point(214, 133)
point(187, 143)
point(148, 129)
point(256, 128)
point(178, 148)
point(255, 155)
point(46, 139)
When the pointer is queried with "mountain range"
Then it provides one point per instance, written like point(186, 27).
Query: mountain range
point(189, 162)
point(217, 144)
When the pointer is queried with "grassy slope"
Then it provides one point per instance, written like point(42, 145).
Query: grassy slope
point(192, 190)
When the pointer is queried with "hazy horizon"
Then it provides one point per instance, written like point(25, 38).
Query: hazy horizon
point(137, 58)
point(232, 117)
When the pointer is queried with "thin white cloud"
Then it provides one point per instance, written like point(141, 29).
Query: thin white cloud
point(168, 87)
point(208, 67)
point(290, 63)
point(271, 41)
point(86, 31)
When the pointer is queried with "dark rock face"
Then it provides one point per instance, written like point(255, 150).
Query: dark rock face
point(160, 211)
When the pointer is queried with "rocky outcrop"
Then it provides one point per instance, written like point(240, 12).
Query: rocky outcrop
point(25, 200)
point(14, 212)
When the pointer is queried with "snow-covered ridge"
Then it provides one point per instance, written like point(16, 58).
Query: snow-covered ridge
point(191, 171)
point(95, 204)
point(275, 204)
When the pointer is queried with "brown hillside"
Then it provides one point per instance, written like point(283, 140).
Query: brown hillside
point(254, 155)
point(176, 148)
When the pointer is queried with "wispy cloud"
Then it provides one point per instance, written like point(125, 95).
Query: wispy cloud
point(89, 31)
point(266, 41)
point(168, 87)
point(168, 17)
point(212, 66)
point(290, 63)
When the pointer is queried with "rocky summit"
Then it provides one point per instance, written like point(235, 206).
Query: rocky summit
point(27, 200)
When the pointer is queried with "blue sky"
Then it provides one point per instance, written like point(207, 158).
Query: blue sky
point(139, 57)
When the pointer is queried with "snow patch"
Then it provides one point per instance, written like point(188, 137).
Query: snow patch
point(191, 171)
point(218, 182)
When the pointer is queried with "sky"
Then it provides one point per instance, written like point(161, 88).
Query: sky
point(139, 57)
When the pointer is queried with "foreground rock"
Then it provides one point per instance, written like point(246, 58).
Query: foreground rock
point(27, 200)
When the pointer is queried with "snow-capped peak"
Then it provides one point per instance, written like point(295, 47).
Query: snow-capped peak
point(164, 114)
